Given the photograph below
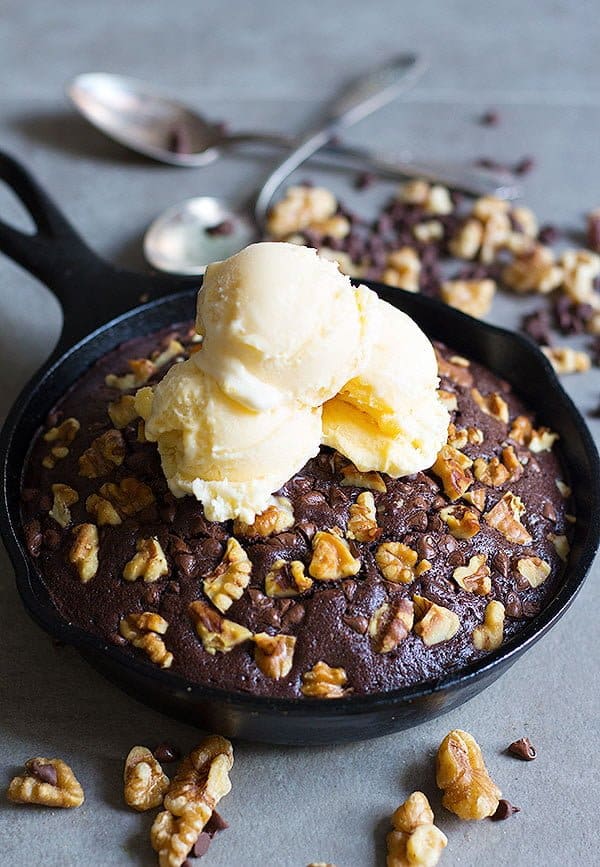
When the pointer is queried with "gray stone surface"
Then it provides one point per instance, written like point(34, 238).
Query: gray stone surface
point(267, 64)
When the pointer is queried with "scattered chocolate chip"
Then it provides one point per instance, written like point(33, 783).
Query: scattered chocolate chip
point(523, 749)
point(538, 326)
point(514, 608)
point(43, 771)
point(426, 548)
point(356, 622)
point(548, 511)
point(501, 563)
point(51, 539)
point(418, 521)
point(364, 180)
point(33, 537)
point(349, 586)
point(548, 234)
point(456, 558)
point(504, 810)
point(224, 228)
point(201, 846)
point(490, 118)
point(215, 824)
point(524, 166)
point(166, 752)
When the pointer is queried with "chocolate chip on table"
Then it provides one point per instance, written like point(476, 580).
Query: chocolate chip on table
point(43, 771)
point(364, 180)
point(548, 234)
point(524, 166)
point(221, 229)
point(490, 118)
point(166, 752)
point(201, 846)
point(538, 326)
point(215, 824)
point(504, 810)
point(523, 749)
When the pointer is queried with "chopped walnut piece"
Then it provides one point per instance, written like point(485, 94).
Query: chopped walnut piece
point(143, 630)
point(331, 558)
point(491, 404)
point(526, 221)
point(397, 561)
point(47, 782)
point(274, 654)
point(452, 467)
point(390, 624)
point(469, 791)
point(171, 351)
point(322, 681)
point(492, 473)
point(564, 489)
point(144, 783)
point(430, 230)
point(449, 399)
point(202, 779)
point(104, 454)
point(301, 207)
point(523, 432)
point(285, 580)
point(489, 635)
point(534, 570)
point(336, 227)
point(148, 563)
point(505, 517)
point(129, 496)
point(476, 497)
point(403, 268)
point(471, 296)
point(460, 437)
point(103, 511)
point(533, 269)
point(141, 371)
point(458, 373)
point(84, 552)
point(216, 632)
point(276, 518)
point(475, 577)
point(490, 206)
point(565, 359)
point(434, 622)
point(467, 241)
point(362, 523)
point(64, 497)
point(372, 481)
point(463, 523)
point(561, 545)
point(231, 577)
point(122, 411)
point(61, 438)
point(580, 267)
point(415, 840)
point(414, 192)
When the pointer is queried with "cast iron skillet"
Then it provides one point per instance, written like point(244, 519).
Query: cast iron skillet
point(91, 293)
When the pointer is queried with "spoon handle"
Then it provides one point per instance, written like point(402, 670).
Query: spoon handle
point(457, 176)
point(361, 98)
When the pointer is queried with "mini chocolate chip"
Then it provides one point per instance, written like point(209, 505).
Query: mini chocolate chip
point(524, 166)
point(166, 752)
point(548, 234)
point(504, 810)
point(490, 118)
point(456, 558)
point(349, 587)
point(531, 609)
point(187, 565)
point(448, 544)
point(215, 824)
point(201, 846)
point(513, 604)
point(43, 771)
point(364, 180)
point(548, 511)
point(356, 622)
point(418, 521)
point(439, 503)
point(435, 524)
point(523, 749)
point(33, 537)
point(51, 539)
point(224, 228)
point(501, 563)
point(293, 615)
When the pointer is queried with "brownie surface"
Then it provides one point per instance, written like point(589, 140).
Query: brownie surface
point(330, 620)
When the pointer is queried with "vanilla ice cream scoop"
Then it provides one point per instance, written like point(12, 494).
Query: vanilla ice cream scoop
point(231, 458)
point(389, 417)
point(280, 324)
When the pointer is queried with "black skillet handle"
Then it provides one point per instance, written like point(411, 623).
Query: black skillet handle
point(90, 290)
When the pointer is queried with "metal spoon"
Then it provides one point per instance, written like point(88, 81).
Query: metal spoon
point(152, 123)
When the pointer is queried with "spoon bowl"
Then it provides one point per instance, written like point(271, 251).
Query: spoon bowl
point(187, 236)
point(145, 120)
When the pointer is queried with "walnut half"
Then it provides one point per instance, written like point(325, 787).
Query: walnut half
point(434, 622)
point(331, 558)
point(144, 783)
point(415, 840)
point(144, 631)
point(231, 577)
point(469, 791)
point(390, 624)
point(274, 654)
point(322, 681)
point(48, 782)
point(201, 781)
point(216, 632)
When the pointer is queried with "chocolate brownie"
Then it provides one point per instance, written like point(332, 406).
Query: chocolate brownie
point(388, 582)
